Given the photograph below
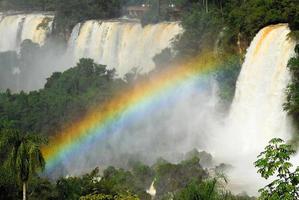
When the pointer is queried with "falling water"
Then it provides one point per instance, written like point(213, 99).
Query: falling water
point(121, 44)
point(16, 28)
point(257, 114)
point(152, 190)
point(257, 107)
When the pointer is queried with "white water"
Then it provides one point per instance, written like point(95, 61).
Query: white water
point(14, 29)
point(152, 190)
point(122, 45)
point(119, 44)
point(257, 114)
point(260, 92)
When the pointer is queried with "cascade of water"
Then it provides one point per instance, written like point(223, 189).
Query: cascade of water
point(122, 45)
point(152, 190)
point(257, 114)
point(16, 28)
point(119, 44)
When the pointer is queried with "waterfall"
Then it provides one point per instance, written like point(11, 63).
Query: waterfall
point(18, 27)
point(257, 108)
point(152, 190)
point(257, 114)
point(121, 44)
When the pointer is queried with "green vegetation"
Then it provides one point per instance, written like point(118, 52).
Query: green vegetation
point(248, 17)
point(274, 161)
point(292, 104)
point(202, 29)
point(21, 154)
point(110, 197)
point(227, 77)
point(210, 189)
point(225, 27)
point(171, 178)
point(71, 12)
point(172, 181)
point(231, 24)
point(66, 97)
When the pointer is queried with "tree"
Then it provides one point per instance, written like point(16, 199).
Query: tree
point(24, 156)
point(248, 17)
point(292, 103)
point(204, 190)
point(275, 161)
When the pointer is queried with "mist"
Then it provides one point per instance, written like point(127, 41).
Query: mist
point(121, 44)
point(167, 128)
point(28, 54)
point(188, 117)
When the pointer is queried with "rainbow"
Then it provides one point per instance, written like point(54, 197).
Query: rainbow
point(99, 122)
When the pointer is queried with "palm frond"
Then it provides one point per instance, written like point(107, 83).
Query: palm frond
point(37, 161)
point(24, 156)
point(22, 162)
point(35, 138)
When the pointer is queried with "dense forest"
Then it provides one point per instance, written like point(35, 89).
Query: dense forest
point(77, 89)
point(178, 181)
point(69, 95)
